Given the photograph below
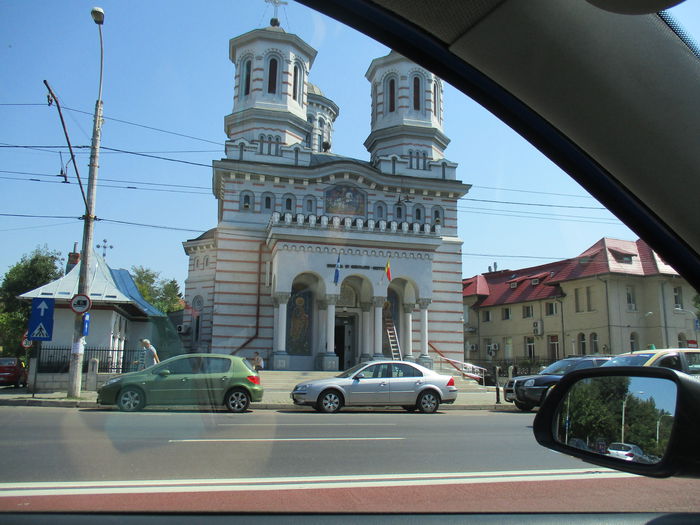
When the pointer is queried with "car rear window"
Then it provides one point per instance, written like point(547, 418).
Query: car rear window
point(8, 361)
point(618, 446)
point(629, 360)
point(249, 366)
point(693, 359)
point(560, 367)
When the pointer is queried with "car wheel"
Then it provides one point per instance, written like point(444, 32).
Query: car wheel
point(523, 406)
point(410, 408)
point(428, 402)
point(237, 401)
point(329, 401)
point(131, 399)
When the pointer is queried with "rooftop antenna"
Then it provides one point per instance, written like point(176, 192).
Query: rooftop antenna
point(274, 22)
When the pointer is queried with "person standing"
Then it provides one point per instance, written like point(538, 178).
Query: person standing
point(148, 356)
point(258, 363)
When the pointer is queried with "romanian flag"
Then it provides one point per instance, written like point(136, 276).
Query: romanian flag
point(387, 269)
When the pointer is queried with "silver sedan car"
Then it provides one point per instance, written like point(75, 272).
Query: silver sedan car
point(379, 383)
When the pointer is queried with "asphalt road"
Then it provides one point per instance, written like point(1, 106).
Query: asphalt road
point(373, 461)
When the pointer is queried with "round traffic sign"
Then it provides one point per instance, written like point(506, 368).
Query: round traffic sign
point(26, 343)
point(80, 303)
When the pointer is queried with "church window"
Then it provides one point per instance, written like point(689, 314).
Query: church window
point(310, 204)
point(418, 213)
point(374, 103)
point(272, 76)
point(379, 211)
point(391, 85)
point(399, 213)
point(206, 262)
point(241, 149)
point(269, 144)
point(416, 93)
point(436, 99)
point(295, 85)
point(321, 133)
point(437, 215)
point(289, 202)
point(262, 144)
point(246, 201)
point(268, 201)
point(296, 156)
point(278, 143)
point(393, 165)
point(246, 77)
point(425, 160)
point(444, 170)
point(410, 159)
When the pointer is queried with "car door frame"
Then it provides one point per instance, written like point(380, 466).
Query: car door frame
point(365, 391)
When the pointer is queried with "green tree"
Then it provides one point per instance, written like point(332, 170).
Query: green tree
point(164, 294)
point(33, 270)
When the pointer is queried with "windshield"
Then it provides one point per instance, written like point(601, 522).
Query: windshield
point(629, 360)
point(8, 361)
point(258, 180)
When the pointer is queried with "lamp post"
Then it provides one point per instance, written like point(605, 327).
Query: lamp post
point(78, 347)
point(624, 404)
point(658, 424)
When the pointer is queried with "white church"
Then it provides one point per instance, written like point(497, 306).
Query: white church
point(320, 261)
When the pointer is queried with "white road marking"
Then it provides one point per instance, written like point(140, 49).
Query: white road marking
point(70, 488)
point(307, 424)
point(274, 440)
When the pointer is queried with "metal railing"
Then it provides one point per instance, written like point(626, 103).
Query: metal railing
point(467, 370)
point(56, 360)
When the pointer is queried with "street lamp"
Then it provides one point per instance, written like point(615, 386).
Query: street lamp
point(78, 347)
point(658, 424)
point(624, 404)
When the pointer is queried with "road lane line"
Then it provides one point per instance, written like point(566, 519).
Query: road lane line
point(307, 424)
point(273, 440)
point(303, 483)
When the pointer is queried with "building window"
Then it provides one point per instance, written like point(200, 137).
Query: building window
point(379, 211)
point(630, 298)
point(593, 338)
point(677, 297)
point(288, 204)
point(261, 144)
point(582, 344)
point(247, 201)
point(505, 313)
point(272, 76)
point(418, 213)
point(416, 93)
point(589, 298)
point(247, 65)
point(268, 202)
point(399, 212)
point(577, 300)
point(410, 159)
point(634, 342)
point(391, 88)
point(393, 165)
point(550, 308)
point(486, 316)
point(436, 99)
point(295, 84)
point(528, 311)
point(530, 347)
point(310, 204)
point(437, 215)
point(443, 167)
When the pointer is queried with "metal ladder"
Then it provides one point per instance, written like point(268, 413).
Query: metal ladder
point(393, 339)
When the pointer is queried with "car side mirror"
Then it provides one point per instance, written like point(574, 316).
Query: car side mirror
point(359, 376)
point(634, 419)
point(164, 373)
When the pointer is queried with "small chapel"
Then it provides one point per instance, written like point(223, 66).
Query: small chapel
point(320, 261)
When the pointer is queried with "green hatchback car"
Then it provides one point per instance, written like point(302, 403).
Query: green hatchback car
point(190, 379)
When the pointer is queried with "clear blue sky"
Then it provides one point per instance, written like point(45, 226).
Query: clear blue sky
point(167, 67)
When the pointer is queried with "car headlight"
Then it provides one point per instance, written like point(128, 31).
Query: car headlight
point(301, 388)
point(529, 382)
point(112, 381)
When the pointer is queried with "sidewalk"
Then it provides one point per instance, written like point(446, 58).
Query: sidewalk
point(274, 399)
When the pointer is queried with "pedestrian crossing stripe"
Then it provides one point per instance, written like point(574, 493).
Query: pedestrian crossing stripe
point(40, 332)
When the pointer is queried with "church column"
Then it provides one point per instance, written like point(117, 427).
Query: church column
point(280, 358)
point(378, 303)
point(366, 333)
point(329, 360)
point(275, 322)
point(424, 358)
point(407, 346)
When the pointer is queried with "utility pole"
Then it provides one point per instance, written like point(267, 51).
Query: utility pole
point(78, 348)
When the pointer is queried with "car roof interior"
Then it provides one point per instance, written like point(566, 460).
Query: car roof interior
point(611, 98)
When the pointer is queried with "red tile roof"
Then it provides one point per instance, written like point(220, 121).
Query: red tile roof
point(604, 257)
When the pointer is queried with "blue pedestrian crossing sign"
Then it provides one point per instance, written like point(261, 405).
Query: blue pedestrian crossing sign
point(41, 320)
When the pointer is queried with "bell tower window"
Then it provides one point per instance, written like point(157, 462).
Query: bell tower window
point(392, 94)
point(246, 77)
point(416, 93)
point(272, 76)
point(295, 85)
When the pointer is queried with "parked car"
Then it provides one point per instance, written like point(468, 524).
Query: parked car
point(682, 359)
point(528, 392)
point(191, 379)
point(382, 383)
point(12, 372)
